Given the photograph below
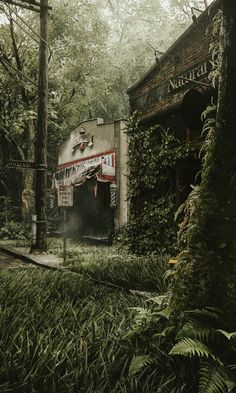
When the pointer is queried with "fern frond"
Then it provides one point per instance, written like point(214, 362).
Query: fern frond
point(160, 300)
point(226, 334)
point(209, 313)
point(190, 348)
point(196, 330)
point(214, 380)
point(232, 366)
point(138, 363)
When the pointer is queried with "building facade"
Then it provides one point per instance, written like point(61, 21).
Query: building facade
point(165, 134)
point(93, 161)
point(176, 90)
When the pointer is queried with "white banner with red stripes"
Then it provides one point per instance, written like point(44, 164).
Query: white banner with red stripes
point(102, 166)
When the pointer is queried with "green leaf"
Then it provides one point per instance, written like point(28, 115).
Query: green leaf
point(190, 348)
point(213, 379)
point(226, 334)
point(138, 363)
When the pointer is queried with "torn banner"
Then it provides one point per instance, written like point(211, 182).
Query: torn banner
point(102, 166)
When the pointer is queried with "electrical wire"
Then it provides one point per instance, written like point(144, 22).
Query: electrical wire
point(18, 71)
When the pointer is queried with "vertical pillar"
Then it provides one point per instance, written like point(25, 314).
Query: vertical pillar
point(41, 136)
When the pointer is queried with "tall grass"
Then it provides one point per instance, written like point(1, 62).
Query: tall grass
point(116, 266)
point(129, 272)
point(60, 333)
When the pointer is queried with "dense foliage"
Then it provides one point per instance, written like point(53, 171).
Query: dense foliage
point(59, 333)
point(153, 154)
point(63, 332)
point(97, 49)
point(205, 273)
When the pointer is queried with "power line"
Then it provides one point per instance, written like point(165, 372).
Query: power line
point(25, 31)
point(28, 4)
point(27, 7)
point(25, 23)
point(18, 71)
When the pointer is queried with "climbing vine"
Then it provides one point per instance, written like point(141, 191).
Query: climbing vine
point(153, 154)
point(205, 272)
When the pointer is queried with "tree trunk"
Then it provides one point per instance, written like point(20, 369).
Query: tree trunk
point(207, 269)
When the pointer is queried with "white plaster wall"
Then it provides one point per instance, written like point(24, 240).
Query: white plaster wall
point(121, 146)
point(106, 137)
point(103, 141)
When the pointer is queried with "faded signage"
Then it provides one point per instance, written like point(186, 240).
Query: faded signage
point(65, 196)
point(193, 74)
point(82, 141)
point(172, 86)
point(15, 164)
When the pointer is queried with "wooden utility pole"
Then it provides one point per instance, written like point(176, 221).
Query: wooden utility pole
point(41, 136)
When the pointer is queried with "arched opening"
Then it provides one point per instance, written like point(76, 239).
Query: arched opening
point(193, 104)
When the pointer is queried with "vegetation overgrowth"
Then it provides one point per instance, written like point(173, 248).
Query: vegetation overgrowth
point(206, 269)
point(153, 154)
point(115, 265)
point(60, 333)
point(63, 332)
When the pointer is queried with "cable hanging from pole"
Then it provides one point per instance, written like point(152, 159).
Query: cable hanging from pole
point(25, 23)
point(18, 71)
point(28, 4)
point(27, 7)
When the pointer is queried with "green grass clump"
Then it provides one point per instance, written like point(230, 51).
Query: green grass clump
point(129, 272)
point(115, 266)
point(61, 333)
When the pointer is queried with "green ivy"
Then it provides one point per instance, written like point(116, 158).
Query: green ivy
point(153, 154)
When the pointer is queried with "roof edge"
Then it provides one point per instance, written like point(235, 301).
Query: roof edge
point(175, 43)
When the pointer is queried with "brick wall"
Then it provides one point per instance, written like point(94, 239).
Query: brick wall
point(190, 50)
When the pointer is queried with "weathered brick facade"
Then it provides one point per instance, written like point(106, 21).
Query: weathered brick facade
point(159, 90)
point(172, 94)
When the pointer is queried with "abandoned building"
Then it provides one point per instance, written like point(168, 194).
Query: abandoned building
point(165, 132)
point(176, 90)
point(93, 161)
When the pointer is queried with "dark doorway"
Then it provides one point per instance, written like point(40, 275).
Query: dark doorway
point(193, 105)
point(91, 213)
point(188, 173)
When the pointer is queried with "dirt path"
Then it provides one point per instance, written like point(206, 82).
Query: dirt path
point(9, 262)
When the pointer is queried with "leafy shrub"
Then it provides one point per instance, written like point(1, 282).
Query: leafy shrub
point(13, 230)
point(153, 154)
point(199, 356)
point(203, 338)
point(151, 229)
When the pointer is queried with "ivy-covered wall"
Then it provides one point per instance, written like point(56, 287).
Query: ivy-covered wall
point(154, 152)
